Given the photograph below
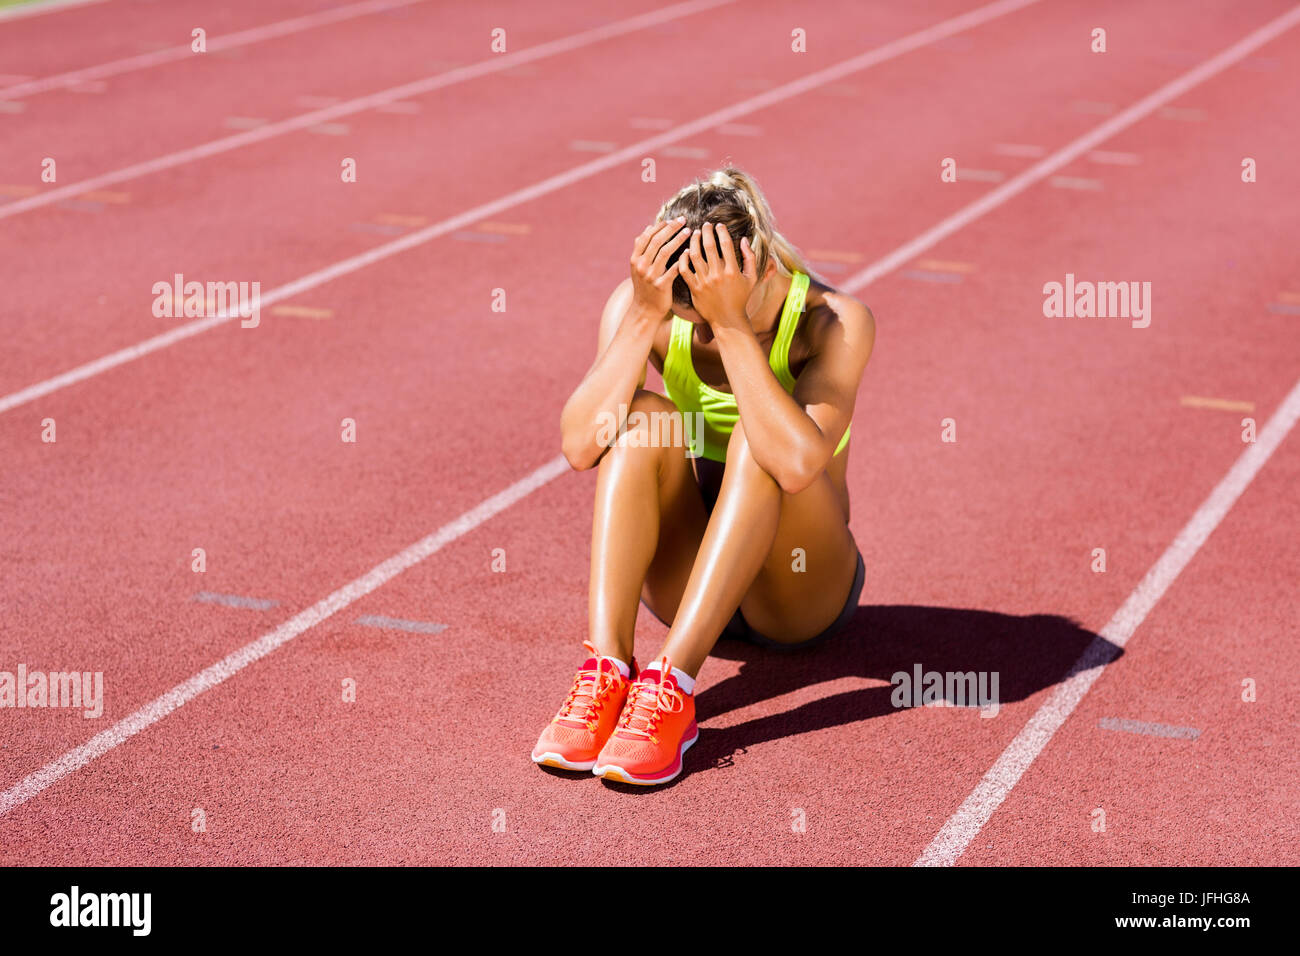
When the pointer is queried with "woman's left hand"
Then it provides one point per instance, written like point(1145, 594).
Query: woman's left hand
point(720, 285)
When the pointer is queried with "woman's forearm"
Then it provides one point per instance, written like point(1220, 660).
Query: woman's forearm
point(784, 440)
point(605, 393)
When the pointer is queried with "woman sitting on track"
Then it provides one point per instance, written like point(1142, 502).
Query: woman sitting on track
point(751, 540)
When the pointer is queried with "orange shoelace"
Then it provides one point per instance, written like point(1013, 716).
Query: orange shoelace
point(648, 702)
point(590, 690)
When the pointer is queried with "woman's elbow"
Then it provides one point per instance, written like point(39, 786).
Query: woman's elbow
point(578, 454)
point(580, 451)
point(798, 472)
point(793, 482)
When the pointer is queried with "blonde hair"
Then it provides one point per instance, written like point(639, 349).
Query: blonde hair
point(731, 197)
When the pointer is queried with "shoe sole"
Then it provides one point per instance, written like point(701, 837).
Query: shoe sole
point(619, 775)
point(552, 759)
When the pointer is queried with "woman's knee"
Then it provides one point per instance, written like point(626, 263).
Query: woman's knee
point(649, 432)
point(652, 422)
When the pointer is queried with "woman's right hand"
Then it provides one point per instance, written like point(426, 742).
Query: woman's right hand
point(652, 279)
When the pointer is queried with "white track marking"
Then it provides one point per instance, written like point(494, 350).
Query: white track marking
point(1069, 153)
point(1106, 157)
point(217, 673)
point(1018, 149)
point(215, 44)
point(232, 664)
point(41, 7)
point(963, 826)
point(359, 105)
point(975, 811)
point(1076, 182)
point(552, 184)
point(1125, 725)
point(1093, 659)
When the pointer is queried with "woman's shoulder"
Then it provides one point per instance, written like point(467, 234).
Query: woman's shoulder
point(832, 315)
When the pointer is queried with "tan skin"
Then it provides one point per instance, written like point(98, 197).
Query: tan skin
point(782, 487)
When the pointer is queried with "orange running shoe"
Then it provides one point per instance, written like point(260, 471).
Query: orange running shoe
point(657, 726)
point(573, 738)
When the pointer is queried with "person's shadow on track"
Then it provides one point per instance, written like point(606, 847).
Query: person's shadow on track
point(1028, 653)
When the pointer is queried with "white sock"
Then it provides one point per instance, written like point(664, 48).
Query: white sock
point(684, 680)
point(623, 667)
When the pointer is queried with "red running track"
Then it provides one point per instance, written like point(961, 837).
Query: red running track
point(1073, 434)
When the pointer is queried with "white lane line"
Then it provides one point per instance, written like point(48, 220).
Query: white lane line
point(1085, 669)
point(159, 708)
point(592, 146)
point(1091, 106)
point(1179, 113)
point(316, 102)
point(1072, 151)
point(686, 152)
point(965, 824)
point(1110, 158)
point(1019, 149)
point(358, 105)
point(926, 276)
point(1149, 728)
point(405, 108)
point(1076, 182)
point(552, 184)
point(42, 7)
point(400, 624)
point(235, 600)
point(215, 44)
point(232, 664)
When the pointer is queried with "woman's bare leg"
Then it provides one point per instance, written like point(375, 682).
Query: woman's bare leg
point(746, 560)
point(649, 518)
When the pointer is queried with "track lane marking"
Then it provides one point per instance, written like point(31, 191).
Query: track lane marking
point(400, 624)
point(358, 105)
point(235, 600)
point(964, 825)
point(1082, 675)
point(302, 312)
point(42, 7)
point(1107, 157)
point(945, 265)
point(996, 784)
point(456, 224)
point(925, 275)
point(1147, 727)
point(230, 665)
point(1067, 154)
point(1222, 404)
point(1019, 149)
point(215, 44)
point(1075, 182)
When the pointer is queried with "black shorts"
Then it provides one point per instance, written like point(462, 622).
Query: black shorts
point(738, 628)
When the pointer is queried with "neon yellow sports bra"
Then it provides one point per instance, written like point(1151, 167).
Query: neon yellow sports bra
point(696, 400)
